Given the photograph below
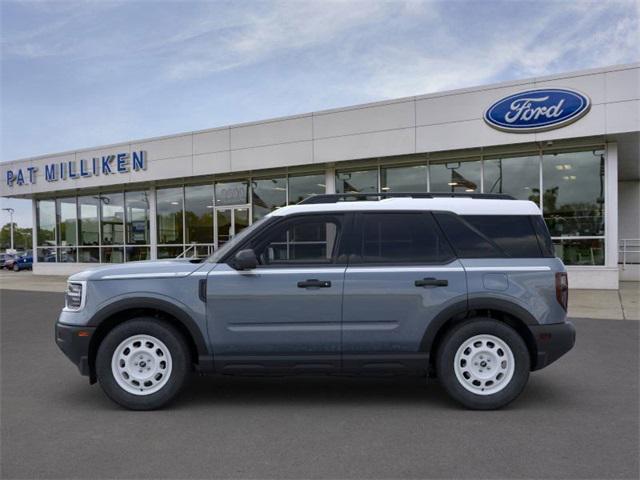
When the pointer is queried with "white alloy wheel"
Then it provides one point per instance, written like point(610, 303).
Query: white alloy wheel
point(484, 364)
point(141, 365)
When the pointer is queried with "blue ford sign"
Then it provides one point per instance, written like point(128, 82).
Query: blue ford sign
point(537, 110)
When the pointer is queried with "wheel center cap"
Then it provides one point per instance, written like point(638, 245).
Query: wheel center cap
point(143, 364)
point(483, 363)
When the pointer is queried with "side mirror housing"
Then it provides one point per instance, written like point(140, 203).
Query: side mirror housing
point(245, 260)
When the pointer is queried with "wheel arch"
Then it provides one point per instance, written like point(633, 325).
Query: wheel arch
point(507, 312)
point(120, 311)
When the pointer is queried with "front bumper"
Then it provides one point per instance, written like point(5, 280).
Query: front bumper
point(552, 341)
point(74, 342)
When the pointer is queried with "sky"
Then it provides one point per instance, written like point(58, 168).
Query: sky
point(79, 74)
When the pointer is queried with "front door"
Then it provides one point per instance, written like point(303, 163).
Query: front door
point(285, 315)
point(229, 222)
point(401, 275)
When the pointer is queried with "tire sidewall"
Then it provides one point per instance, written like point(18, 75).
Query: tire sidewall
point(471, 328)
point(179, 357)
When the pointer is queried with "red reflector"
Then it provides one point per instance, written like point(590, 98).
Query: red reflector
point(83, 333)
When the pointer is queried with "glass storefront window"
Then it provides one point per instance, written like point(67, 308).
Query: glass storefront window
point(267, 194)
point(112, 255)
point(88, 227)
point(169, 207)
point(516, 176)
point(198, 213)
point(89, 255)
point(169, 252)
point(134, 254)
point(404, 179)
point(67, 221)
point(580, 251)
point(137, 218)
point(112, 218)
point(46, 218)
point(232, 193)
point(573, 198)
point(455, 176)
point(303, 186)
point(361, 181)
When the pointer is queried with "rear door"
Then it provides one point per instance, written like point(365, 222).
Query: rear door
point(401, 274)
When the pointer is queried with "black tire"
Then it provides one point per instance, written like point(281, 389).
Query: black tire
point(16, 268)
point(180, 360)
point(446, 359)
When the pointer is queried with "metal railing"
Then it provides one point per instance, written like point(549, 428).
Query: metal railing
point(629, 251)
point(192, 251)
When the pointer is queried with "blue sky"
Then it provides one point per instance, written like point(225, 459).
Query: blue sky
point(85, 73)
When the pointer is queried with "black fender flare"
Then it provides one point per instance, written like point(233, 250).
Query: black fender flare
point(462, 308)
point(165, 306)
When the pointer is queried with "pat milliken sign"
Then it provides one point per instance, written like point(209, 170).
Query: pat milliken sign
point(117, 163)
point(537, 110)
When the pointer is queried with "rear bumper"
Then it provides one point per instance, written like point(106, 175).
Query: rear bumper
point(74, 342)
point(552, 341)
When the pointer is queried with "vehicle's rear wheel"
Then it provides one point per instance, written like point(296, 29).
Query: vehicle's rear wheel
point(483, 364)
point(143, 363)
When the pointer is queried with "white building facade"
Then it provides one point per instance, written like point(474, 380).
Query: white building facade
point(569, 142)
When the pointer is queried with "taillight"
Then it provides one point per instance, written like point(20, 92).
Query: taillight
point(562, 289)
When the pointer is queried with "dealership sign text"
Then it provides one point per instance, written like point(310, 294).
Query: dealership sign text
point(537, 110)
point(74, 169)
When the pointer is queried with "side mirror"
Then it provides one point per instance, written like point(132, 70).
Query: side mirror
point(245, 260)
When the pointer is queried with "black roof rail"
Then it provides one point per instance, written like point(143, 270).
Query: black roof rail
point(357, 196)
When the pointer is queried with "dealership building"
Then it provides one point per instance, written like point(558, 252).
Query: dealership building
point(569, 142)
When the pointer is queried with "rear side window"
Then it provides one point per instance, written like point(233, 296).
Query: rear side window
point(544, 238)
point(402, 238)
point(467, 241)
point(514, 234)
point(493, 236)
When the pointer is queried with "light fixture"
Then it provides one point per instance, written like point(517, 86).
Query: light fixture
point(469, 190)
point(452, 184)
point(385, 189)
point(175, 203)
point(321, 185)
point(567, 166)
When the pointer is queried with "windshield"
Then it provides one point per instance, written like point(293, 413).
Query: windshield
point(239, 238)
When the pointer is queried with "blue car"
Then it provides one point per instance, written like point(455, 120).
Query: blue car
point(23, 262)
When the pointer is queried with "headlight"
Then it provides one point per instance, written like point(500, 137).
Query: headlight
point(75, 295)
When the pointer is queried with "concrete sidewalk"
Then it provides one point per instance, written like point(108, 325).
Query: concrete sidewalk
point(623, 304)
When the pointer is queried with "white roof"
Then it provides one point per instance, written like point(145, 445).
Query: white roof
point(462, 206)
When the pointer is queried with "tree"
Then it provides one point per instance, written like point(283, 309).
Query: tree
point(21, 237)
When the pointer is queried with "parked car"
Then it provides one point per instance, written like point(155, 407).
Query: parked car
point(463, 288)
point(23, 262)
point(7, 262)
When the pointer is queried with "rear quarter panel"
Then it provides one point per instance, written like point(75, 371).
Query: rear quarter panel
point(528, 283)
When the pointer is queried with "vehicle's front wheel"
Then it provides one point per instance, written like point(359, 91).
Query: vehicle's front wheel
point(16, 268)
point(483, 364)
point(142, 364)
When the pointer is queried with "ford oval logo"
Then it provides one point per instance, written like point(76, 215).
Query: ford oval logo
point(537, 110)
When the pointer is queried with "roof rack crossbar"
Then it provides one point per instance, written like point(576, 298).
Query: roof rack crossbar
point(358, 196)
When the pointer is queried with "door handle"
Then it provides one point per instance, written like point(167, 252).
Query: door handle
point(431, 282)
point(314, 283)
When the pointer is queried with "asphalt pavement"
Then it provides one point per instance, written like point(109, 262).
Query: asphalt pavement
point(578, 418)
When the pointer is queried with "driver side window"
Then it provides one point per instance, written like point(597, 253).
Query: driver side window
point(305, 240)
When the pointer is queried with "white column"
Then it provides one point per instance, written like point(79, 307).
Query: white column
point(611, 205)
point(153, 233)
point(330, 179)
point(34, 232)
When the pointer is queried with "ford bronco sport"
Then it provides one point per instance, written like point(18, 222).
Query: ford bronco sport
point(465, 288)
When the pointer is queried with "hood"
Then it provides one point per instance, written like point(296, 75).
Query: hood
point(146, 269)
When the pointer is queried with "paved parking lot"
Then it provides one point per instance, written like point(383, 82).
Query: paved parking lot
point(576, 419)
